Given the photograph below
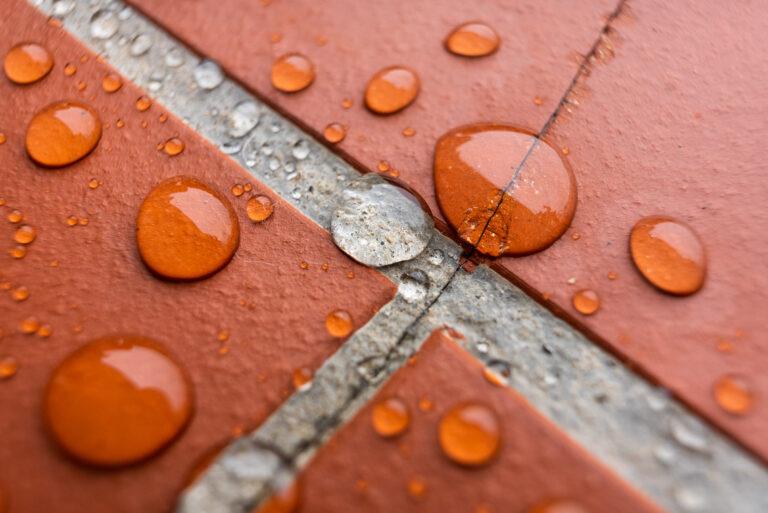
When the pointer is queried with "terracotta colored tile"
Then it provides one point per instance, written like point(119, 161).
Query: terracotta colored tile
point(536, 461)
point(273, 310)
point(674, 125)
point(541, 47)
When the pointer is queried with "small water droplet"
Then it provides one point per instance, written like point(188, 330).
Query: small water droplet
point(173, 146)
point(612, 275)
point(383, 166)
point(174, 58)
point(390, 417)
point(689, 499)
point(259, 208)
point(300, 150)
point(8, 367)
point(62, 133)
point(469, 434)
point(70, 69)
point(208, 75)
point(15, 216)
point(497, 372)
point(335, 133)
point(435, 256)
point(237, 190)
point(44, 331)
point(413, 286)
point(302, 378)
point(347, 103)
point(29, 325)
point(143, 103)
point(3, 138)
point(664, 454)
point(338, 323)
point(292, 72)
point(472, 40)
point(558, 506)
point(17, 252)
point(296, 193)
point(391, 89)
point(734, 394)
point(123, 423)
point(185, 230)
point(689, 435)
point(125, 13)
point(586, 301)
point(26, 63)
point(20, 294)
point(416, 487)
point(409, 132)
point(62, 7)
point(93, 184)
point(669, 254)
point(111, 82)
point(140, 44)
point(104, 24)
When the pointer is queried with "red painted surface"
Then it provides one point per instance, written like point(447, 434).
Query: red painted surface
point(536, 461)
point(273, 309)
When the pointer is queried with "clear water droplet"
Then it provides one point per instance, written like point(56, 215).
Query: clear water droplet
point(296, 193)
point(62, 7)
point(435, 256)
point(104, 24)
point(413, 286)
point(689, 435)
point(243, 118)
point(174, 58)
point(208, 75)
point(140, 44)
point(300, 150)
point(62, 133)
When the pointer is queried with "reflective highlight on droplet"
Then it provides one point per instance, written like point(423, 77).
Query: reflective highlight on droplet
point(62, 133)
point(472, 40)
point(338, 323)
point(117, 400)
point(559, 506)
point(586, 301)
point(469, 434)
point(27, 63)
point(259, 208)
point(111, 82)
point(734, 394)
point(185, 230)
point(390, 417)
point(392, 89)
point(335, 133)
point(292, 72)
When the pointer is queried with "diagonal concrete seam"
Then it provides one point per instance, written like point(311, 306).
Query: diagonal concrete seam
point(645, 436)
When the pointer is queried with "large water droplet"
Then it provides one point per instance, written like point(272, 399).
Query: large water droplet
point(669, 254)
point(185, 230)
point(472, 40)
point(413, 286)
point(292, 72)
point(104, 24)
point(26, 63)
point(62, 133)
point(469, 434)
point(390, 417)
point(391, 90)
point(378, 223)
point(243, 118)
point(474, 165)
point(117, 400)
point(208, 75)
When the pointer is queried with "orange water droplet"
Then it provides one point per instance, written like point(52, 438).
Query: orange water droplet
point(26, 63)
point(669, 254)
point(93, 184)
point(259, 208)
point(724, 346)
point(44, 331)
point(390, 417)
point(25, 234)
point(20, 294)
point(5, 285)
point(111, 82)
point(338, 323)
point(15, 216)
point(8, 367)
point(734, 394)
point(81, 85)
point(416, 487)
point(409, 132)
point(17, 252)
point(586, 301)
point(222, 336)
point(163, 118)
point(538, 101)
point(383, 166)
point(335, 133)
point(469, 434)
point(559, 506)
point(237, 190)
point(472, 40)
point(143, 103)
point(301, 377)
point(566, 151)
point(502, 189)
point(70, 69)
point(425, 404)
point(173, 146)
point(120, 123)
point(71, 221)
point(29, 325)
point(391, 89)
point(282, 501)
point(494, 378)
point(347, 103)
point(292, 72)
point(83, 221)
point(3, 138)
point(351, 275)
point(276, 37)
point(62, 133)
point(321, 40)
point(185, 230)
point(324, 266)
point(612, 275)
point(117, 400)
point(304, 265)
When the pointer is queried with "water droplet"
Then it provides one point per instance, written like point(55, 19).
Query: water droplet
point(29, 325)
point(237, 190)
point(15, 216)
point(335, 133)
point(44, 331)
point(689, 435)
point(435, 256)
point(390, 417)
point(104, 24)
point(734, 394)
point(26, 63)
point(174, 58)
point(669, 254)
point(8, 367)
point(81, 85)
point(185, 230)
point(259, 208)
point(173, 146)
point(612, 275)
point(292, 72)
point(391, 89)
point(144, 400)
point(71, 221)
point(93, 184)
point(472, 40)
point(208, 75)
point(497, 372)
point(140, 44)
point(409, 132)
point(378, 223)
point(475, 164)
point(62, 133)
point(143, 103)
point(20, 294)
point(469, 434)
point(17, 252)
point(63, 7)
point(586, 301)
point(243, 118)
point(689, 499)
point(339, 323)
point(301, 378)
point(25, 234)
point(111, 82)
point(559, 506)
point(3, 138)
point(296, 193)
point(413, 286)
point(347, 103)
point(285, 500)
point(300, 150)
point(416, 487)
point(70, 69)
point(382, 166)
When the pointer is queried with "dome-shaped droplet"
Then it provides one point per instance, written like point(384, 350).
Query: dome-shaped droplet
point(208, 75)
point(469, 434)
point(392, 89)
point(8, 367)
point(301, 378)
point(25, 234)
point(390, 417)
point(472, 40)
point(104, 24)
point(26, 63)
point(733, 394)
point(111, 82)
point(259, 208)
point(586, 301)
point(338, 323)
point(143, 103)
point(292, 72)
point(62, 133)
point(669, 254)
point(117, 400)
point(185, 230)
point(559, 506)
point(173, 146)
point(502, 189)
point(335, 133)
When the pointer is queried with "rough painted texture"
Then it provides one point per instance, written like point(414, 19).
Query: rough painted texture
point(274, 310)
point(673, 124)
point(536, 462)
point(541, 49)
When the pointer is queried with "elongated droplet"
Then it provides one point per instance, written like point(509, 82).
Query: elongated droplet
point(473, 40)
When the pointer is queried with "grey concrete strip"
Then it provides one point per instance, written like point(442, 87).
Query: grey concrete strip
point(639, 431)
